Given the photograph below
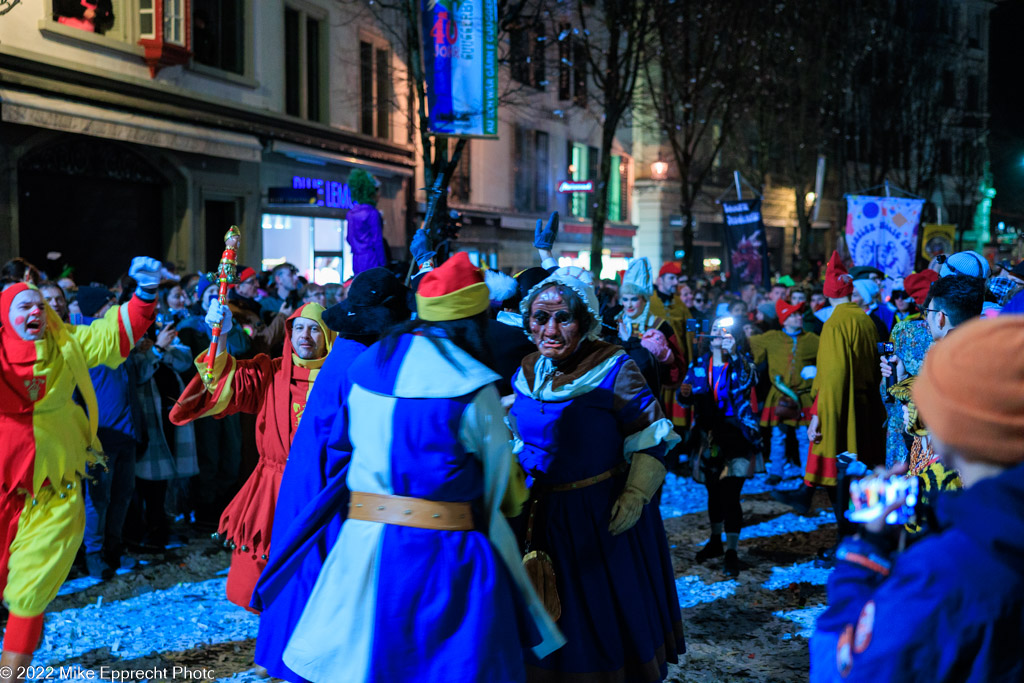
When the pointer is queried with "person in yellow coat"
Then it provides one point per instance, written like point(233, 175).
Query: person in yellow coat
point(791, 355)
point(847, 415)
point(46, 441)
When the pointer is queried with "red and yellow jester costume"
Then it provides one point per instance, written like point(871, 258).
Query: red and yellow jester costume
point(46, 440)
point(276, 391)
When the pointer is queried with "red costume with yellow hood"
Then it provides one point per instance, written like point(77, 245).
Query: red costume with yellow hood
point(276, 391)
point(46, 440)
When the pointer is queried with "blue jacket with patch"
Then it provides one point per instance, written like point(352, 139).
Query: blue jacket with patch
point(951, 607)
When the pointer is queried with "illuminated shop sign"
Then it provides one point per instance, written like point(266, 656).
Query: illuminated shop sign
point(567, 186)
point(329, 193)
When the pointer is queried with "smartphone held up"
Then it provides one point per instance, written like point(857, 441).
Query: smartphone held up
point(870, 496)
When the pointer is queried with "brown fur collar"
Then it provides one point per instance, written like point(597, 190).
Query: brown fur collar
point(588, 356)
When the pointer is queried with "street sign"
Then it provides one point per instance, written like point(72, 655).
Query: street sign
point(569, 186)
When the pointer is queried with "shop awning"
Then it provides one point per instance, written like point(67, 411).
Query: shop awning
point(321, 157)
point(54, 113)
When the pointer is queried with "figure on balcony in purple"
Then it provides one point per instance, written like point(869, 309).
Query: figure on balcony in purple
point(365, 223)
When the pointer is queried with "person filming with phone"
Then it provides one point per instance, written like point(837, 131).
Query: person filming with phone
point(718, 385)
point(950, 608)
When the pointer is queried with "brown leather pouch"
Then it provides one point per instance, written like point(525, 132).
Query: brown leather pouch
point(541, 571)
point(788, 409)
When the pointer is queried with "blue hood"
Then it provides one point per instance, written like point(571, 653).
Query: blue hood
point(992, 514)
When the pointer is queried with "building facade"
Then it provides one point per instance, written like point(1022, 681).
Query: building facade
point(940, 154)
point(151, 126)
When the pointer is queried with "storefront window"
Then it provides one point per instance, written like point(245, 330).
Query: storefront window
point(610, 264)
point(488, 257)
point(316, 246)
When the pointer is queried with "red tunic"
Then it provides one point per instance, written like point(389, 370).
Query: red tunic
point(275, 390)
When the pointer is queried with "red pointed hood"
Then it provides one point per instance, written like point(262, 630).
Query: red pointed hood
point(838, 283)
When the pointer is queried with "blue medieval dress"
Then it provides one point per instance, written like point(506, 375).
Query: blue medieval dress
point(580, 419)
point(311, 507)
point(396, 603)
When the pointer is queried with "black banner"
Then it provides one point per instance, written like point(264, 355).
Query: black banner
point(746, 245)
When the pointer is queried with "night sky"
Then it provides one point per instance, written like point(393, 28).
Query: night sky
point(1006, 104)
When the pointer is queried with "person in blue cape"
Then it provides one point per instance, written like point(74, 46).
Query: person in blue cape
point(592, 439)
point(950, 608)
point(425, 581)
point(313, 498)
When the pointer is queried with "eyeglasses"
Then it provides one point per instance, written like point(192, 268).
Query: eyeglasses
point(932, 310)
point(698, 300)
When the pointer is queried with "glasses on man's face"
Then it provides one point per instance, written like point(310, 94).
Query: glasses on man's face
point(931, 310)
point(698, 300)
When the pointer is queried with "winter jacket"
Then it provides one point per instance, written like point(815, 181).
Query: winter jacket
point(951, 608)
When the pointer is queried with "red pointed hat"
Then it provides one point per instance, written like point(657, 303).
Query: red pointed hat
point(838, 283)
point(783, 310)
point(453, 291)
point(670, 267)
point(918, 284)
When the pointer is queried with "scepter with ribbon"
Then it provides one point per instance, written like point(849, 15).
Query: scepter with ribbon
point(227, 274)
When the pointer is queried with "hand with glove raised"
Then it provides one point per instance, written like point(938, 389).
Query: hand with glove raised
point(146, 273)
point(646, 473)
point(420, 248)
point(655, 342)
point(219, 313)
point(545, 235)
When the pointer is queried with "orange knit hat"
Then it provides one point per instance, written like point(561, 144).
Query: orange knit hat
point(969, 392)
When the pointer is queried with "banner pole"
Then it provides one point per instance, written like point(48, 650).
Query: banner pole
point(739, 191)
point(819, 186)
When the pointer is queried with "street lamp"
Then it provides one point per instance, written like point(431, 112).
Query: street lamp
point(659, 169)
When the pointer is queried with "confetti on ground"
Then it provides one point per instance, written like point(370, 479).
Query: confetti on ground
point(804, 618)
point(804, 572)
point(249, 676)
point(787, 524)
point(683, 496)
point(84, 582)
point(182, 617)
point(692, 591)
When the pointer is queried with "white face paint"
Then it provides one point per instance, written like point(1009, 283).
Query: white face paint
point(632, 304)
point(28, 315)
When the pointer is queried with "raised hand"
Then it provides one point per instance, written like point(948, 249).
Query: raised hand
point(420, 248)
point(544, 236)
point(219, 313)
point(146, 273)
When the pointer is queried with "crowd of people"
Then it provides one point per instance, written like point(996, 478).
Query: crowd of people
point(457, 477)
